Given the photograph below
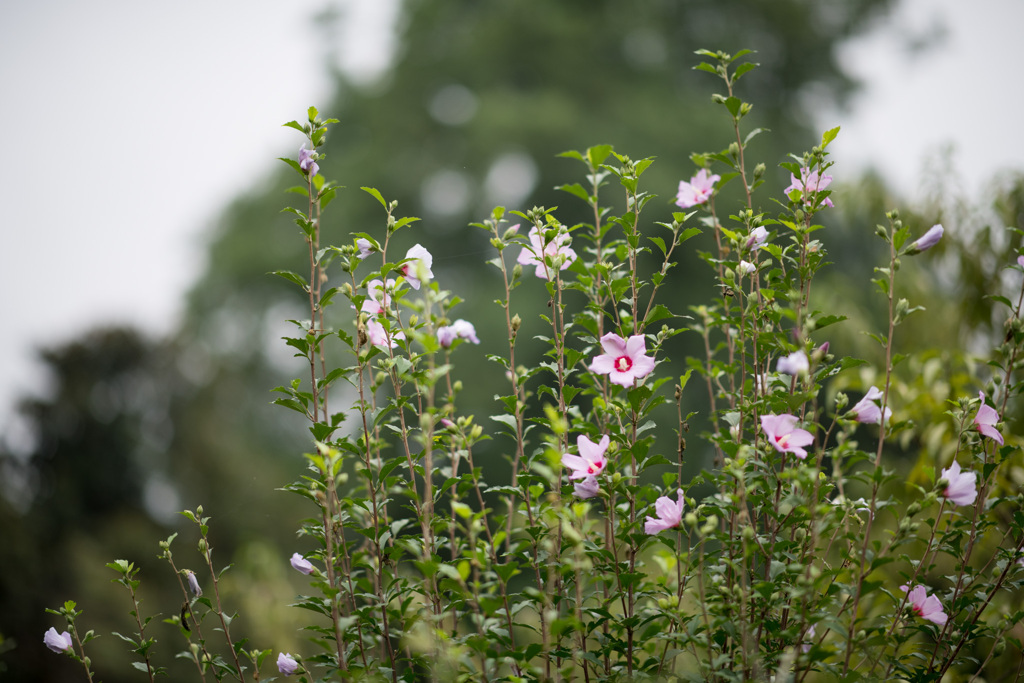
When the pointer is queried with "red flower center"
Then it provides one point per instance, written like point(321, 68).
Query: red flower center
point(623, 363)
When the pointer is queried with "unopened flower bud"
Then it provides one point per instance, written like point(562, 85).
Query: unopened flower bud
point(759, 171)
point(690, 519)
point(516, 322)
point(913, 509)
point(748, 533)
point(193, 583)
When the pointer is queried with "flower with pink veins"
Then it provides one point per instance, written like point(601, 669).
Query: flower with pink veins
point(962, 487)
point(418, 267)
point(697, 191)
point(591, 461)
point(670, 514)
point(784, 435)
point(987, 419)
point(924, 605)
point(558, 251)
point(868, 410)
point(809, 183)
point(623, 360)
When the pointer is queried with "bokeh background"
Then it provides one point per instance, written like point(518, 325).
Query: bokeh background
point(141, 214)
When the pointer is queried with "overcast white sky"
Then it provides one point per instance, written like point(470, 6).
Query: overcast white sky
point(125, 126)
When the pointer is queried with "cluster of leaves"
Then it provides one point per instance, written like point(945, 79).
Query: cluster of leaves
point(424, 563)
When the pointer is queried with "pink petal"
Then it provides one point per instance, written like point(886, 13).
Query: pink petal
point(613, 345)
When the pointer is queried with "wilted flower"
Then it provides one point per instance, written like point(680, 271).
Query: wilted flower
point(924, 605)
point(784, 435)
point(670, 514)
point(586, 488)
point(757, 237)
point(286, 664)
point(868, 409)
point(193, 583)
point(591, 461)
point(418, 268)
point(697, 191)
point(962, 488)
point(299, 563)
point(460, 329)
point(557, 249)
point(365, 247)
point(623, 360)
point(58, 642)
point(927, 240)
point(306, 162)
point(795, 363)
point(987, 419)
point(809, 183)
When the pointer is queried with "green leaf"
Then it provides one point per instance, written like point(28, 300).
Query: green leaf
point(598, 153)
point(374, 193)
point(292, 277)
point(828, 136)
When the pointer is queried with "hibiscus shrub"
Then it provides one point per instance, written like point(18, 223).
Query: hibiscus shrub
point(791, 554)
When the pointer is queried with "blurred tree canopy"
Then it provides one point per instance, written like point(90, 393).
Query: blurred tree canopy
point(481, 97)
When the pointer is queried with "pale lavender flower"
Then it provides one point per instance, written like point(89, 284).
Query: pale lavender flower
point(591, 461)
point(306, 161)
point(962, 487)
point(927, 240)
point(868, 409)
point(460, 329)
point(286, 664)
point(365, 247)
point(795, 363)
point(586, 488)
point(784, 435)
point(670, 514)
point(623, 360)
point(419, 267)
point(809, 183)
point(697, 191)
point(58, 642)
point(745, 268)
point(558, 250)
point(193, 583)
point(1020, 261)
point(808, 640)
point(301, 564)
point(987, 419)
point(924, 605)
point(757, 237)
